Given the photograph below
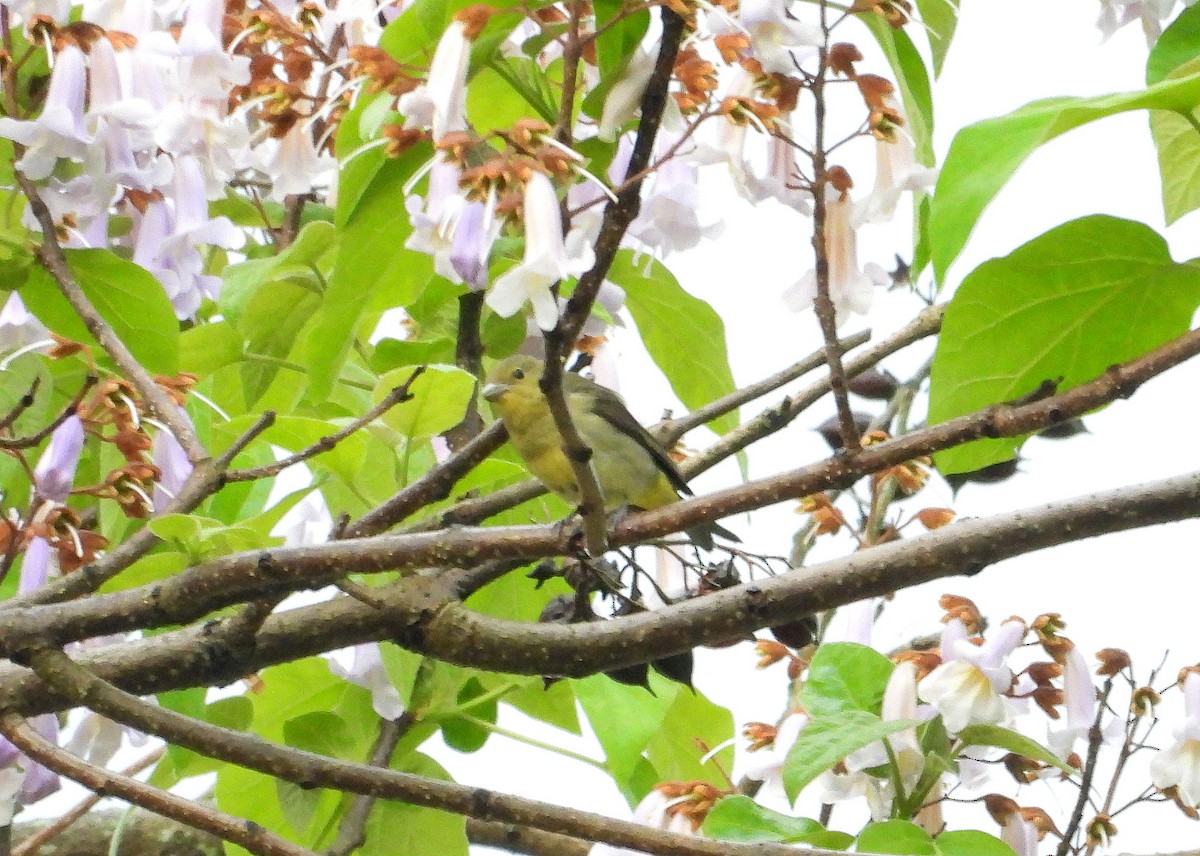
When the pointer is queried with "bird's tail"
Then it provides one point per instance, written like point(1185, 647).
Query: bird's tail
point(702, 535)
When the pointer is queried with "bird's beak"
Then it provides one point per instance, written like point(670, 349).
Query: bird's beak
point(493, 391)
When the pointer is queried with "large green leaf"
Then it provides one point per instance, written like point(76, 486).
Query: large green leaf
point(396, 827)
point(845, 676)
point(684, 335)
point(901, 837)
point(692, 723)
point(828, 739)
point(126, 295)
point(1178, 44)
point(440, 396)
point(1068, 304)
point(739, 818)
point(984, 156)
point(371, 258)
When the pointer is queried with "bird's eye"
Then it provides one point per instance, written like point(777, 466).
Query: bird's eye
point(518, 374)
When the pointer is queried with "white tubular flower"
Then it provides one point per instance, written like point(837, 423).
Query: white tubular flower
point(1178, 765)
point(896, 171)
point(295, 166)
point(967, 687)
point(434, 217)
point(780, 180)
point(368, 672)
point(546, 261)
point(653, 811)
point(899, 703)
point(1079, 701)
point(774, 34)
point(1115, 14)
point(626, 95)
point(205, 69)
point(851, 288)
point(1019, 834)
point(440, 103)
point(60, 131)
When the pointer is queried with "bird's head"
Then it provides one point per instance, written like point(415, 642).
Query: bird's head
point(519, 372)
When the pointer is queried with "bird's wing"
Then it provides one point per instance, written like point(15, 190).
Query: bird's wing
point(608, 406)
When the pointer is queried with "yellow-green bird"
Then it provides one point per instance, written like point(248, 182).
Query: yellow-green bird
point(632, 467)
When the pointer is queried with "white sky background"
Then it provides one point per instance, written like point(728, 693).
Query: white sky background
point(1133, 590)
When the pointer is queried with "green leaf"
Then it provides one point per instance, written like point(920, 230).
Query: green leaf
point(1178, 44)
point(940, 18)
point(207, 347)
point(126, 295)
point(462, 733)
point(692, 722)
point(971, 842)
point(624, 719)
point(900, 837)
point(1177, 143)
point(1003, 738)
point(739, 818)
point(1003, 144)
point(395, 827)
point(371, 259)
point(845, 676)
point(683, 334)
point(911, 78)
point(440, 396)
point(828, 739)
point(1069, 304)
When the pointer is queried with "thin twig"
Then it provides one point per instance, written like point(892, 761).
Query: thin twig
point(352, 833)
point(823, 303)
point(107, 783)
point(1095, 738)
point(13, 443)
point(23, 403)
point(396, 396)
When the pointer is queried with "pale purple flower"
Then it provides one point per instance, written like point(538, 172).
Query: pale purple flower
point(367, 671)
point(1115, 14)
point(440, 103)
point(122, 127)
point(1178, 765)
point(1019, 834)
point(173, 464)
point(475, 230)
point(59, 132)
point(774, 34)
point(96, 739)
point(851, 288)
point(547, 258)
point(1079, 702)
point(168, 240)
point(55, 470)
point(19, 327)
point(294, 165)
point(896, 172)
point(205, 69)
point(36, 781)
point(780, 179)
point(85, 199)
point(35, 569)
point(968, 686)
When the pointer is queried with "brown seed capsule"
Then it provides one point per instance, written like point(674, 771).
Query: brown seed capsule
point(831, 429)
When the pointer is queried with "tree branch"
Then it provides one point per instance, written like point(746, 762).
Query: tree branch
point(248, 835)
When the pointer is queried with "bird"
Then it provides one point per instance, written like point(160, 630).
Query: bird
point(632, 468)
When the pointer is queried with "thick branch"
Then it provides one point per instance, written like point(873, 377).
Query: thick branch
point(445, 629)
point(310, 770)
